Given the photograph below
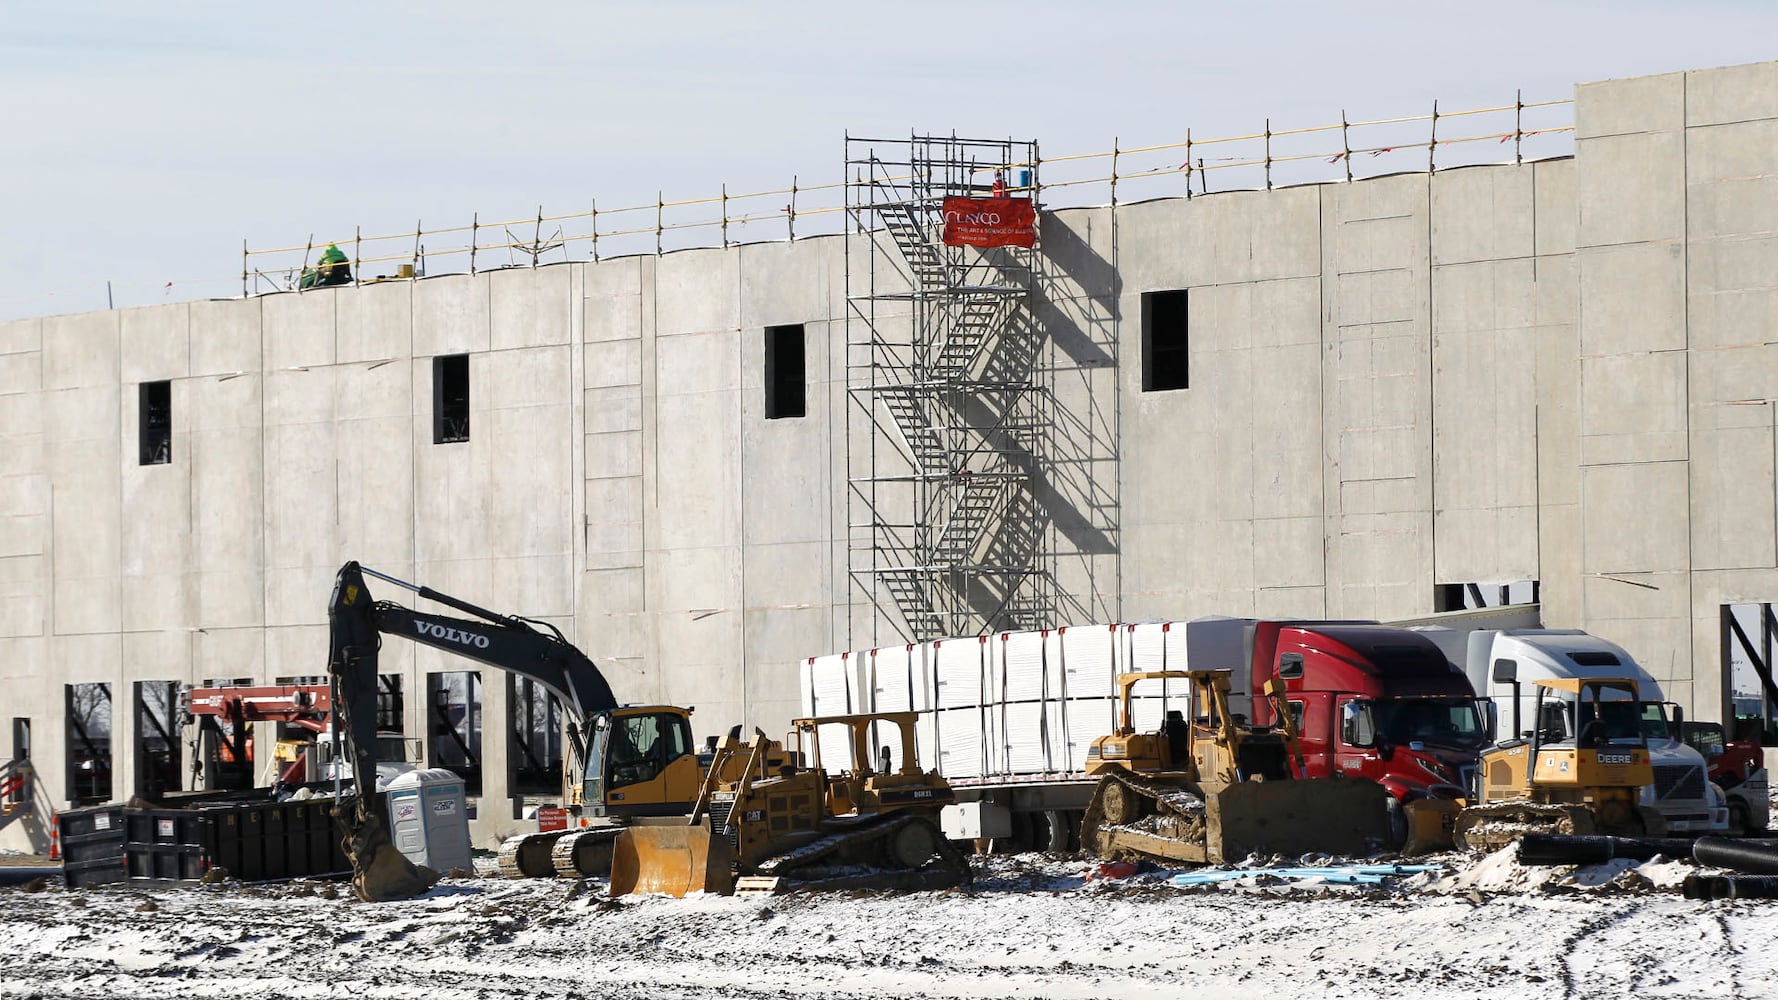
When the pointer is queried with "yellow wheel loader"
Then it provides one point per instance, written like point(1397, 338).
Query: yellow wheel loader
point(1586, 785)
point(1206, 788)
point(777, 828)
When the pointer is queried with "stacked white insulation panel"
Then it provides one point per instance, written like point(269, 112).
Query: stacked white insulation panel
point(1018, 706)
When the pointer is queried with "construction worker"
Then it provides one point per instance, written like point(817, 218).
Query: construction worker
point(331, 269)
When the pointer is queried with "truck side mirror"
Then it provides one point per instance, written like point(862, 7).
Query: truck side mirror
point(1678, 722)
point(1506, 671)
point(1493, 721)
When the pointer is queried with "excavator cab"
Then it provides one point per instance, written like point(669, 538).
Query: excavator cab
point(641, 762)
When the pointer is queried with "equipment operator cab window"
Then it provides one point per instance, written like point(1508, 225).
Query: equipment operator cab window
point(639, 747)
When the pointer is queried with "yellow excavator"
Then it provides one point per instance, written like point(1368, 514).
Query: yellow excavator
point(1206, 788)
point(1586, 785)
point(626, 764)
point(780, 826)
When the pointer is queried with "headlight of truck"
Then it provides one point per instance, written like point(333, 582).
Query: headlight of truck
point(1647, 797)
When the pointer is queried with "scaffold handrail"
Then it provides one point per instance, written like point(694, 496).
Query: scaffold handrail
point(756, 216)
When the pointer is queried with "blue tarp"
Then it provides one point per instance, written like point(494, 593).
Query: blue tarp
point(1343, 874)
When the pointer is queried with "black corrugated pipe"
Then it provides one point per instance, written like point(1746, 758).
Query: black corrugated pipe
point(1730, 887)
point(1568, 849)
point(1757, 857)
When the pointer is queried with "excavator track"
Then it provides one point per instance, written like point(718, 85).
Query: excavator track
point(908, 852)
point(528, 855)
point(1130, 817)
point(584, 853)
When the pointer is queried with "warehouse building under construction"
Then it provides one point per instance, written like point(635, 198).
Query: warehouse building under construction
point(1551, 379)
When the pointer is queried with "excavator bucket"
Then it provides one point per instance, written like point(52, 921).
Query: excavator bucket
point(1431, 825)
point(379, 871)
point(672, 860)
point(1344, 816)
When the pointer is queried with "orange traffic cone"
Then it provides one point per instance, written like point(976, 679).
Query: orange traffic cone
point(55, 837)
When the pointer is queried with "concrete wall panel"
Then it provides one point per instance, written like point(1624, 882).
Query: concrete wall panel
point(225, 336)
point(1732, 291)
point(1634, 299)
point(155, 342)
point(299, 328)
point(451, 315)
point(20, 336)
point(1633, 408)
point(80, 351)
point(375, 323)
point(530, 307)
point(1629, 194)
point(1731, 94)
point(1482, 214)
point(697, 291)
point(1635, 518)
point(1628, 106)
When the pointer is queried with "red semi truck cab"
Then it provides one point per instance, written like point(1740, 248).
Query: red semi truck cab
point(1374, 702)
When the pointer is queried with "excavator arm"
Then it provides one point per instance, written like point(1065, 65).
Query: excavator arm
point(516, 645)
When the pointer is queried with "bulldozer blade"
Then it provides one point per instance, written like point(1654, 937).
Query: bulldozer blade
point(1431, 825)
point(671, 860)
point(1344, 816)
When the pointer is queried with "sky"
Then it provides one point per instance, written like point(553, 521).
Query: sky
point(145, 143)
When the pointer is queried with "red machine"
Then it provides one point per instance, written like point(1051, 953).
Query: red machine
point(225, 711)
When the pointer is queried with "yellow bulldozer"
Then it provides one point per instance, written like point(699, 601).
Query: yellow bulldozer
point(1206, 788)
point(1586, 785)
point(790, 826)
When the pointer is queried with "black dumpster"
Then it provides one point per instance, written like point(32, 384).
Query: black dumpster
point(251, 840)
point(92, 842)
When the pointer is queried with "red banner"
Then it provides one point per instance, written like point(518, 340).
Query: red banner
point(990, 222)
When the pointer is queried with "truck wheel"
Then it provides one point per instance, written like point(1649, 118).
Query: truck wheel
point(1398, 824)
point(1740, 825)
point(1056, 836)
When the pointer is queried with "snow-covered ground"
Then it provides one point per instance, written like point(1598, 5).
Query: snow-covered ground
point(1030, 926)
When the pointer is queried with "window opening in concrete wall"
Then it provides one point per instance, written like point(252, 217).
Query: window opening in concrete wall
point(89, 743)
point(536, 750)
point(154, 423)
point(1473, 596)
point(786, 368)
point(450, 399)
point(455, 726)
point(1749, 661)
point(1166, 355)
point(14, 791)
point(391, 710)
point(157, 738)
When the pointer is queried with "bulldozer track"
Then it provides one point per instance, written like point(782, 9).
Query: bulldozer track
point(1490, 827)
point(582, 853)
point(1160, 798)
point(949, 867)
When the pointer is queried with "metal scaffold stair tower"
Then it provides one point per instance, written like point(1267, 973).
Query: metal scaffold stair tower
point(945, 418)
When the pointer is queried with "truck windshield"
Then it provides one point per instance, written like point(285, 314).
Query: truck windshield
point(1654, 721)
point(1450, 721)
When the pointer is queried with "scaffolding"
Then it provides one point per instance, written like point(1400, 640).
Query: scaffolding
point(946, 419)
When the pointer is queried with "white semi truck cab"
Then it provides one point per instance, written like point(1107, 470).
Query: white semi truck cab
point(1682, 792)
